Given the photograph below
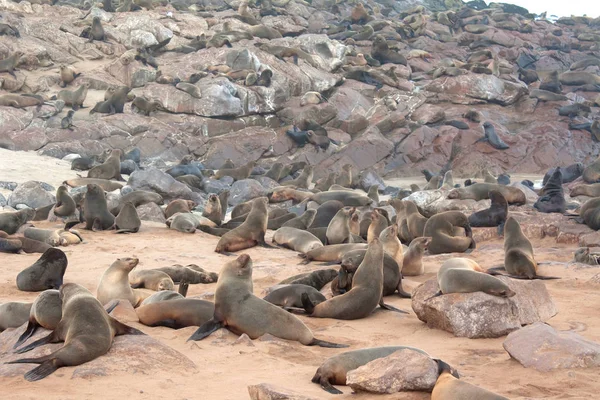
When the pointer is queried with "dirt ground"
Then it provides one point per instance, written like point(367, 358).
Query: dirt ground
point(224, 370)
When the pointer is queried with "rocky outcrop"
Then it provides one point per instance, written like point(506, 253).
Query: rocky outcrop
point(32, 194)
point(480, 315)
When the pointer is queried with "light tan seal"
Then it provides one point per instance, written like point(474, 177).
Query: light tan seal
point(65, 205)
point(240, 311)
point(14, 314)
point(237, 173)
point(377, 225)
point(296, 239)
point(177, 313)
point(212, 209)
point(114, 284)
point(151, 279)
point(250, 233)
point(412, 264)
point(85, 327)
point(332, 253)
point(179, 206)
point(480, 191)
point(449, 387)
point(46, 312)
point(110, 169)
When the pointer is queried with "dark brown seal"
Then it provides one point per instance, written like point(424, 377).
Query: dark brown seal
point(440, 228)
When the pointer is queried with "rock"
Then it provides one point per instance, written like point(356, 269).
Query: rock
point(151, 212)
point(530, 195)
point(541, 347)
point(126, 189)
point(243, 340)
point(267, 183)
point(128, 167)
point(32, 194)
point(404, 370)
point(242, 59)
point(244, 190)
point(242, 146)
point(369, 178)
point(160, 182)
point(265, 391)
point(124, 312)
point(480, 315)
point(217, 185)
point(428, 114)
point(8, 185)
point(465, 88)
point(2, 200)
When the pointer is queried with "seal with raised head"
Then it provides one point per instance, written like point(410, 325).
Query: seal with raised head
point(377, 225)
point(110, 169)
point(492, 138)
point(569, 174)
point(291, 295)
point(334, 370)
point(237, 174)
point(95, 209)
point(65, 205)
point(46, 312)
point(382, 53)
point(74, 98)
point(11, 221)
point(296, 239)
point(338, 230)
point(481, 191)
point(85, 327)
point(366, 293)
point(440, 228)
point(493, 216)
point(9, 64)
point(412, 264)
point(212, 209)
point(304, 180)
point(151, 279)
point(176, 313)
point(114, 283)
point(552, 195)
point(250, 233)
point(240, 311)
point(413, 226)
point(46, 273)
point(449, 387)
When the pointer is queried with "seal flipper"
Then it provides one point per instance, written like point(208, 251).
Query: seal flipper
point(308, 305)
point(111, 305)
point(390, 308)
point(328, 387)
point(46, 368)
point(439, 293)
point(501, 228)
point(40, 342)
point(206, 329)
point(401, 291)
point(122, 329)
point(29, 331)
point(324, 343)
point(183, 288)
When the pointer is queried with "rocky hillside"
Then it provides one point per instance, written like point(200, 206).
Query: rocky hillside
point(229, 80)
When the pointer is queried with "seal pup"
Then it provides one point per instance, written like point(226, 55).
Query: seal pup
point(296, 239)
point(449, 387)
point(366, 293)
point(552, 199)
point(492, 138)
point(591, 173)
point(176, 313)
point(493, 216)
point(114, 283)
point(316, 279)
point(67, 75)
point(128, 220)
point(382, 53)
point(412, 264)
point(67, 123)
point(250, 233)
point(46, 312)
point(14, 314)
point(583, 255)
point(11, 221)
point(240, 311)
point(96, 214)
point(46, 273)
point(338, 230)
point(151, 279)
point(291, 295)
point(10, 63)
point(519, 260)
point(110, 169)
point(65, 205)
point(463, 275)
point(212, 209)
point(440, 228)
point(86, 329)
point(335, 369)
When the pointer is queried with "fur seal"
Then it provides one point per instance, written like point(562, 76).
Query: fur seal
point(463, 275)
point(334, 370)
point(304, 180)
point(552, 199)
point(250, 233)
point(414, 224)
point(151, 279)
point(144, 106)
point(191, 274)
point(591, 173)
point(301, 222)
point(492, 138)
point(236, 173)
point(283, 52)
point(347, 198)
point(480, 191)
point(85, 327)
point(338, 230)
point(14, 314)
point(592, 190)
point(449, 387)
point(377, 225)
point(276, 223)
point(96, 214)
point(46, 312)
point(569, 174)
point(291, 295)
point(237, 309)
point(366, 293)
point(316, 279)
point(74, 98)
point(110, 169)
point(114, 283)
point(138, 198)
point(11, 221)
point(67, 123)
point(46, 273)
point(325, 213)
point(212, 209)
point(412, 264)
point(545, 95)
point(331, 253)
point(493, 216)
point(176, 313)
point(583, 255)
point(65, 205)
point(382, 53)
point(311, 98)
point(296, 239)
point(440, 228)
point(590, 213)
point(10, 63)
point(571, 78)
point(114, 103)
point(128, 220)
point(184, 222)
point(21, 100)
point(97, 31)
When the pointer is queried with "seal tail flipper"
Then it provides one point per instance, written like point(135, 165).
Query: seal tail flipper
point(308, 305)
point(122, 329)
point(439, 293)
point(402, 293)
point(110, 306)
point(37, 343)
point(206, 329)
point(390, 308)
point(326, 386)
point(183, 288)
point(45, 369)
point(324, 343)
point(29, 331)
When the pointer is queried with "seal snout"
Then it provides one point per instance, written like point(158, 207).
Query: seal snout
point(244, 260)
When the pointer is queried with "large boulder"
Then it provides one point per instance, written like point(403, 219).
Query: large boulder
point(162, 183)
point(244, 190)
point(480, 315)
point(404, 370)
point(469, 88)
point(31, 193)
point(265, 391)
point(541, 347)
point(151, 212)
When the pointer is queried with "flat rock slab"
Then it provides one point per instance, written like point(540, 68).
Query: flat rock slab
point(265, 391)
point(480, 315)
point(129, 354)
point(541, 347)
point(404, 370)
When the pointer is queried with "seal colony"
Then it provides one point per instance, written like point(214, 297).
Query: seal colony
point(317, 199)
